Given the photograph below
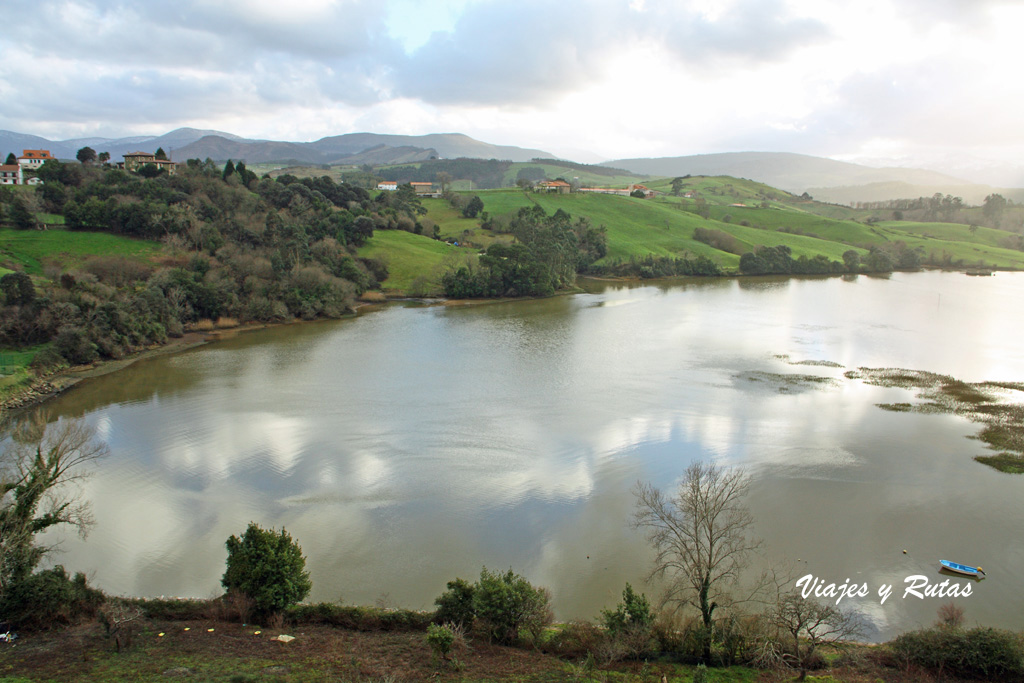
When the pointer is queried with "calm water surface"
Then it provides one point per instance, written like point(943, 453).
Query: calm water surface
point(411, 445)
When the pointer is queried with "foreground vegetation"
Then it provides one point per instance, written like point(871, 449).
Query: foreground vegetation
point(497, 628)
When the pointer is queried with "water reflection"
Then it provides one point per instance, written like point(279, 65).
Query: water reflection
point(414, 444)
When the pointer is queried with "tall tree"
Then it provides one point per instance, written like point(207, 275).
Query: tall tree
point(86, 155)
point(677, 186)
point(994, 206)
point(104, 157)
point(11, 159)
point(161, 154)
point(701, 535)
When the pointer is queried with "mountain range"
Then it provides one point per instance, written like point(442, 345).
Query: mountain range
point(358, 148)
point(826, 179)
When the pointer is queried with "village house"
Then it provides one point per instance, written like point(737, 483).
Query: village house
point(425, 189)
point(10, 174)
point(133, 161)
point(388, 185)
point(558, 186)
point(32, 159)
point(648, 193)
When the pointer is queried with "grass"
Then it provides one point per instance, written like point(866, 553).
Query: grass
point(982, 402)
point(33, 249)
point(415, 263)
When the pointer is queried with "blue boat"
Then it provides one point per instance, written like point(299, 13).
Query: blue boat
point(962, 568)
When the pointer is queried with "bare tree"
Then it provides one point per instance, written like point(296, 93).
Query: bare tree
point(701, 535)
point(809, 623)
point(35, 473)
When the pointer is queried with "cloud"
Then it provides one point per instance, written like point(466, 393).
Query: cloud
point(534, 52)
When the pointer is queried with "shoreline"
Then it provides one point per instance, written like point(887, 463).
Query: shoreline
point(43, 388)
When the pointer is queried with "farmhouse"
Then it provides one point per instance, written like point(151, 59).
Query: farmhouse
point(32, 159)
point(136, 160)
point(559, 186)
point(425, 189)
point(10, 174)
point(388, 185)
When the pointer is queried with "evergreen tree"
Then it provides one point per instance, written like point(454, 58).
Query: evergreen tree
point(229, 170)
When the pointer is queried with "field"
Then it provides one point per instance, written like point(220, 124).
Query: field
point(415, 263)
point(754, 214)
point(31, 250)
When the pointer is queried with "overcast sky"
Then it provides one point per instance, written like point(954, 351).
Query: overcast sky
point(587, 80)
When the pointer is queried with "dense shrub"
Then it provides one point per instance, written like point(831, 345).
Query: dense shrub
point(359, 618)
point(48, 599)
point(979, 652)
point(268, 567)
point(507, 603)
point(440, 639)
point(455, 605)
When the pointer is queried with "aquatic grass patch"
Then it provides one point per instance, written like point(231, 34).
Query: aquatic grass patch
point(784, 383)
point(982, 402)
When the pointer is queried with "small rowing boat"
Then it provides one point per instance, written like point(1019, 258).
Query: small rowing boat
point(961, 568)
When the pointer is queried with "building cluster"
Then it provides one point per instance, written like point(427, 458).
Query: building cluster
point(30, 160)
point(136, 160)
point(556, 186)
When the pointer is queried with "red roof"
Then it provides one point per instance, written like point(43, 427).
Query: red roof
point(36, 154)
point(9, 167)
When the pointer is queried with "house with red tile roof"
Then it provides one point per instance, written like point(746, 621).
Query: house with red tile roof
point(559, 186)
point(10, 174)
point(133, 161)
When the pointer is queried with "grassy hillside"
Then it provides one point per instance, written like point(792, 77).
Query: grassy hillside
point(30, 250)
point(754, 214)
point(415, 263)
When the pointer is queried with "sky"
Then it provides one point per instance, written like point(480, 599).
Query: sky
point(878, 80)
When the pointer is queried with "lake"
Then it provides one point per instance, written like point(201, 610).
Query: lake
point(413, 444)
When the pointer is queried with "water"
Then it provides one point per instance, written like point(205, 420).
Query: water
point(411, 445)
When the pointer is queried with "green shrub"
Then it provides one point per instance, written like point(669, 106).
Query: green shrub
point(440, 639)
point(633, 613)
point(455, 605)
point(629, 624)
point(507, 603)
point(979, 652)
point(48, 599)
point(359, 618)
point(268, 567)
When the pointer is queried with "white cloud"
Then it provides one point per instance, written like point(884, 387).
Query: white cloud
point(620, 78)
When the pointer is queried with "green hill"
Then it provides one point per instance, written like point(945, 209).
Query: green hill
point(750, 213)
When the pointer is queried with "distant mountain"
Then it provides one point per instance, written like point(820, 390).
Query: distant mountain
point(792, 172)
point(185, 143)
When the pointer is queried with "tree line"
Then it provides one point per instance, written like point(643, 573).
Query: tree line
point(239, 248)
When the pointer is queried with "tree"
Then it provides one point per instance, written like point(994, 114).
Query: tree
point(104, 157)
point(851, 259)
point(86, 155)
point(20, 216)
point(994, 206)
point(17, 289)
point(161, 154)
point(701, 537)
point(809, 624)
point(11, 159)
point(35, 472)
point(444, 179)
point(267, 567)
point(475, 206)
point(677, 186)
point(229, 170)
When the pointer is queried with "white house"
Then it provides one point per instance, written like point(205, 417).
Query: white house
point(388, 185)
point(10, 174)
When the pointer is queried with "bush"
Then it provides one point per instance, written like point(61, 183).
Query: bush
point(268, 567)
point(455, 605)
point(440, 639)
point(507, 603)
point(629, 624)
point(48, 599)
point(979, 652)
